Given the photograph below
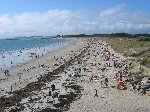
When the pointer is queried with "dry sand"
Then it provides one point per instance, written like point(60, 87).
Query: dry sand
point(76, 94)
point(30, 72)
point(109, 99)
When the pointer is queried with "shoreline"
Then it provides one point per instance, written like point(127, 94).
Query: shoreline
point(32, 70)
point(83, 90)
point(28, 90)
point(26, 55)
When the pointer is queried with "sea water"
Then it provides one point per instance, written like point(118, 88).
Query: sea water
point(15, 52)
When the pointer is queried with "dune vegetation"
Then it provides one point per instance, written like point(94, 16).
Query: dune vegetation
point(135, 47)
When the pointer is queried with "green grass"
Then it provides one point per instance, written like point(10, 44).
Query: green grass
point(135, 47)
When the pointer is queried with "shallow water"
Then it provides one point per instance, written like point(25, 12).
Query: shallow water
point(17, 52)
point(7, 45)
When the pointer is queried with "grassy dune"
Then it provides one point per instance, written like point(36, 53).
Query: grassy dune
point(136, 47)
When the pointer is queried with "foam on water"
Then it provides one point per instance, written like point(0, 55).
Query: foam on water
point(17, 57)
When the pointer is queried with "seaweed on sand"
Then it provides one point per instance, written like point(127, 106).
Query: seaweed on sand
point(66, 100)
point(25, 92)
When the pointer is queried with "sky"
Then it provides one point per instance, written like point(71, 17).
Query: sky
point(53, 17)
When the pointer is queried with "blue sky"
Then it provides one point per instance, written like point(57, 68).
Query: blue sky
point(19, 6)
point(51, 17)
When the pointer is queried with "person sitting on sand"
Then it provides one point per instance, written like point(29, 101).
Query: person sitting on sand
point(106, 82)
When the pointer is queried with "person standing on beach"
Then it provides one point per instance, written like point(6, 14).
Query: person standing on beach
point(53, 87)
point(96, 95)
point(53, 92)
point(106, 82)
point(5, 72)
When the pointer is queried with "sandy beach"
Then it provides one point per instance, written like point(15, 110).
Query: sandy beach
point(79, 73)
point(30, 71)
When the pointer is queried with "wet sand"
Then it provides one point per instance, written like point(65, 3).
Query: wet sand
point(20, 76)
point(76, 93)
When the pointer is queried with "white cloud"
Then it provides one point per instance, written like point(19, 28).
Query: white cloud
point(131, 23)
point(55, 22)
point(112, 11)
point(50, 22)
